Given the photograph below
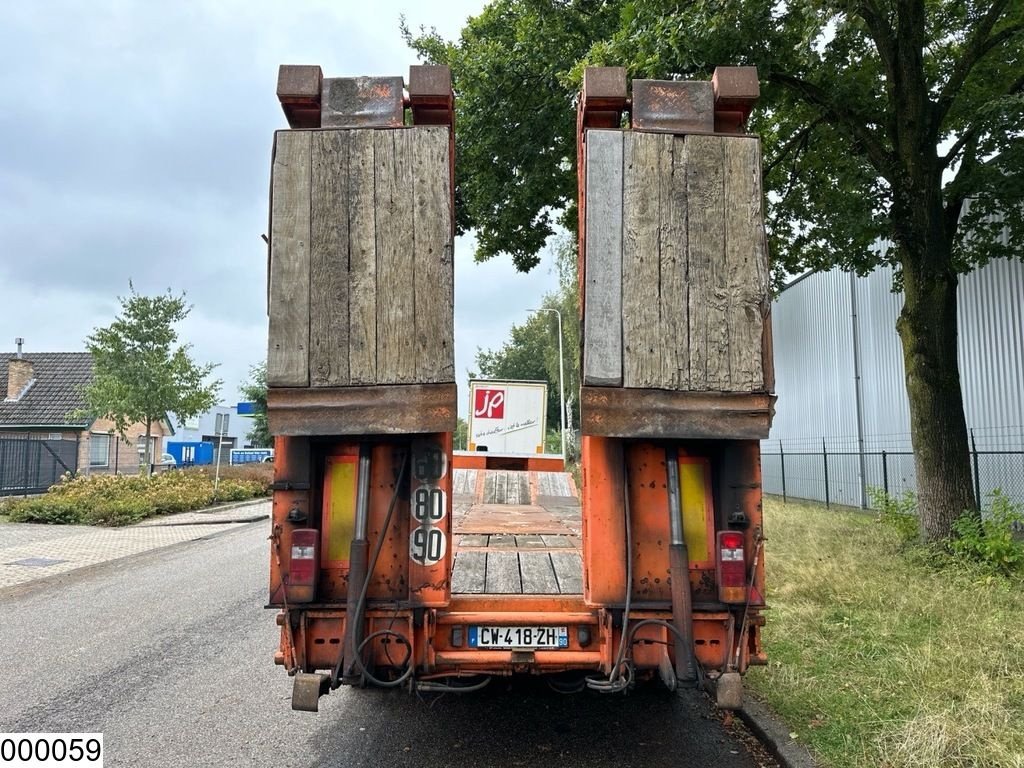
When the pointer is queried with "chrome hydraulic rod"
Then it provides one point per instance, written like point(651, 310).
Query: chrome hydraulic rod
point(679, 566)
point(358, 556)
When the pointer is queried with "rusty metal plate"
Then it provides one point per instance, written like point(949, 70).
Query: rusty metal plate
point(361, 102)
point(428, 81)
point(299, 82)
point(668, 106)
point(298, 90)
point(735, 86)
point(607, 83)
point(379, 410)
point(656, 413)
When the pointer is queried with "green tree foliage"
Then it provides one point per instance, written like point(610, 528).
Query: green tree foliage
point(141, 373)
point(531, 352)
point(515, 139)
point(255, 391)
point(461, 438)
point(880, 121)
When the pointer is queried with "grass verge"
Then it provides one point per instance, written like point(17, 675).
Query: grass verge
point(880, 657)
point(125, 499)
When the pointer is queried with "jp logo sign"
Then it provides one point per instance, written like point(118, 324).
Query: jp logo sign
point(489, 404)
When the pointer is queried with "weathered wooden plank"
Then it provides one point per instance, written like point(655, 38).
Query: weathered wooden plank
point(556, 541)
point(473, 540)
point(375, 410)
point(602, 333)
point(362, 229)
point(288, 350)
point(434, 276)
point(641, 328)
point(538, 574)
point(396, 358)
point(707, 277)
point(503, 574)
point(655, 413)
point(673, 293)
point(530, 541)
point(746, 263)
point(569, 572)
point(502, 540)
point(469, 573)
point(328, 260)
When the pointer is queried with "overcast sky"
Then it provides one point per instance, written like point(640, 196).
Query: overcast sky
point(135, 145)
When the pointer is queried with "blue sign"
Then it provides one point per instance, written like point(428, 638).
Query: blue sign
point(251, 455)
point(246, 409)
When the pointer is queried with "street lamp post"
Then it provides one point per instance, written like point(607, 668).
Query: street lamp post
point(561, 375)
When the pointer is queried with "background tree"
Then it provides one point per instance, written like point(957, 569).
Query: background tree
point(893, 121)
point(461, 438)
point(255, 391)
point(531, 352)
point(141, 374)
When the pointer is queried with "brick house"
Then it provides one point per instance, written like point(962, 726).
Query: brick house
point(42, 393)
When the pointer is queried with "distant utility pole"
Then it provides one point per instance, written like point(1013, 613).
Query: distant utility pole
point(221, 430)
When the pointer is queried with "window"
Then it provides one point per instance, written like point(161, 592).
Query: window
point(99, 449)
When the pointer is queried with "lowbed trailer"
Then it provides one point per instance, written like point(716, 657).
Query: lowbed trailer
point(392, 567)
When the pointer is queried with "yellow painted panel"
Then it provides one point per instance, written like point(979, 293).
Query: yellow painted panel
point(341, 509)
point(694, 502)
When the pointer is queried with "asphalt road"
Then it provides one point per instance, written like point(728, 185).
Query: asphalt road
point(170, 656)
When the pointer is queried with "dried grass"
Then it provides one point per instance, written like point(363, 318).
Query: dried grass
point(880, 659)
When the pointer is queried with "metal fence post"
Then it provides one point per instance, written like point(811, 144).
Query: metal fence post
point(24, 468)
point(782, 462)
point(824, 456)
point(977, 474)
point(885, 472)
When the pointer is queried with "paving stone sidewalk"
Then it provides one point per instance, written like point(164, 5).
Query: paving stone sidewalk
point(29, 552)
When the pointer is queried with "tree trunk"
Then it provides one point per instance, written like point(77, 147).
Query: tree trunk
point(928, 330)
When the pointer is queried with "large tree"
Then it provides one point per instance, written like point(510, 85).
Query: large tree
point(141, 373)
point(255, 391)
point(894, 121)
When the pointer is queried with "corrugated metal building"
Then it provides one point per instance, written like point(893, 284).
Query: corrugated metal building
point(842, 398)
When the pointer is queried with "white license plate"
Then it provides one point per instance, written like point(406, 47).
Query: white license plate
point(518, 637)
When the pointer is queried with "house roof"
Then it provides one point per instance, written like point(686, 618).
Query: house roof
point(55, 394)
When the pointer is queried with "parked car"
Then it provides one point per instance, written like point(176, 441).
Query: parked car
point(167, 461)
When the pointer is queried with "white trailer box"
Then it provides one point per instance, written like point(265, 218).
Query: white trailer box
point(507, 417)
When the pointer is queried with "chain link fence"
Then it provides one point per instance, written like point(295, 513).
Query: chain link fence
point(843, 477)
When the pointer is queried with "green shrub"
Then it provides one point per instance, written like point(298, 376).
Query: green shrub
point(115, 512)
point(898, 513)
point(991, 539)
point(125, 499)
point(42, 510)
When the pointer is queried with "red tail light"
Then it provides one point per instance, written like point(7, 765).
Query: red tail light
point(732, 568)
point(302, 568)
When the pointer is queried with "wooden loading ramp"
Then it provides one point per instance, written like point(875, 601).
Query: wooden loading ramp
point(516, 533)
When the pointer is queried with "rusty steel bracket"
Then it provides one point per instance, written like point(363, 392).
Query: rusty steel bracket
point(736, 90)
point(430, 94)
point(362, 102)
point(673, 106)
point(604, 97)
point(298, 90)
